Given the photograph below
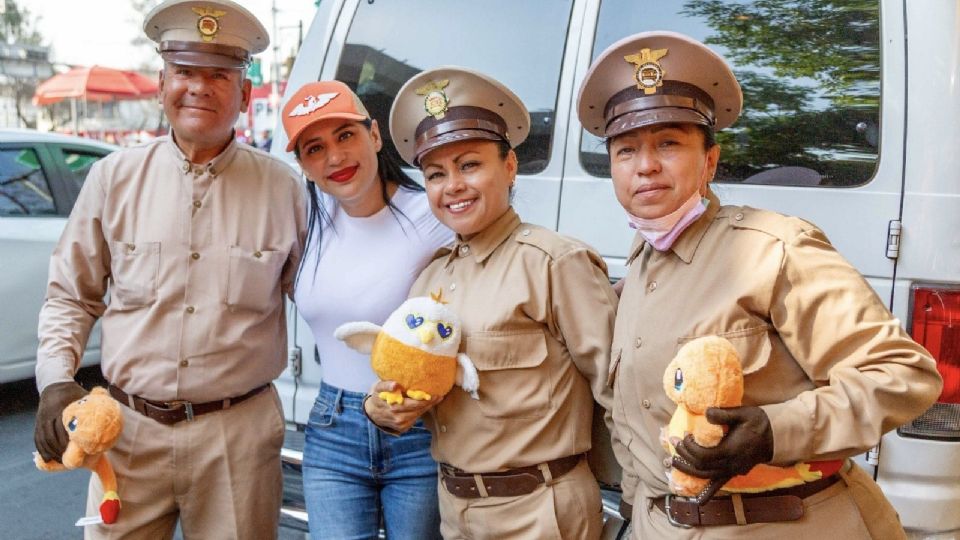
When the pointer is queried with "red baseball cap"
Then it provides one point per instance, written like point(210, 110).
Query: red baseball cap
point(319, 101)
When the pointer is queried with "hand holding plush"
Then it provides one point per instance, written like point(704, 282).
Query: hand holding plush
point(93, 425)
point(711, 437)
point(416, 347)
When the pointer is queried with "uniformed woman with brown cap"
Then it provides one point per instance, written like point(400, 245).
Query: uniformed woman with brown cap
point(827, 368)
point(537, 312)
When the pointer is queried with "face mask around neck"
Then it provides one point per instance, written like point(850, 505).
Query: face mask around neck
point(663, 231)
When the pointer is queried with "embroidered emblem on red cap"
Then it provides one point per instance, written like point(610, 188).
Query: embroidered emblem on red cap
point(312, 103)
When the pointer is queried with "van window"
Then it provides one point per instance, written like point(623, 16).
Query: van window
point(810, 75)
point(23, 186)
point(518, 43)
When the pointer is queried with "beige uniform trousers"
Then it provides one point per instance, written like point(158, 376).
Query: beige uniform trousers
point(569, 508)
point(219, 474)
point(855, 506)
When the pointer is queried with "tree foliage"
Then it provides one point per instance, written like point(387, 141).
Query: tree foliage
point(18, 25)
point(810, 73)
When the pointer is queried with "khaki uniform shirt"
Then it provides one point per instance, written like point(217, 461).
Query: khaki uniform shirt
point(195, 260)
point(830, 366)
point(537, 312)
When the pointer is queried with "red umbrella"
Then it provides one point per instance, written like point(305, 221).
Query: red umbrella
point(94, 83)
point(147, 86)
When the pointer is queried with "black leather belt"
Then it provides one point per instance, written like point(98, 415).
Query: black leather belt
point(785, 504)
point(509, 483)
point(171, 412)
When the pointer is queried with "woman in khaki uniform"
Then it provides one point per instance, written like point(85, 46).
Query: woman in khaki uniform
point(827, 368)
point(537, 312)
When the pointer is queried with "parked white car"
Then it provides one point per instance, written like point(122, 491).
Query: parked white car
point(846, 123)
point(40, 177)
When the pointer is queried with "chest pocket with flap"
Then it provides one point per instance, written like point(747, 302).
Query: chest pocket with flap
point(253, 279)
point(513, 381)
point(752, 344)
point(134, 268)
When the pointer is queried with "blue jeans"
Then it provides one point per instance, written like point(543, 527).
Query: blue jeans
point(354, 474)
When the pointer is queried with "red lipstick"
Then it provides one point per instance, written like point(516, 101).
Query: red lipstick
point(344, 175)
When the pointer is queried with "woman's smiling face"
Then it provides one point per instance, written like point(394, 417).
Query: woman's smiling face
point(340, 157)
point(656, 169)
point(468, 184)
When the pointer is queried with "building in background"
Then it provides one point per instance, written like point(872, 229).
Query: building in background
point(22, 68)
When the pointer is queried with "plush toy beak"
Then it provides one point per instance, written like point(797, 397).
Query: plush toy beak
point(426, 334)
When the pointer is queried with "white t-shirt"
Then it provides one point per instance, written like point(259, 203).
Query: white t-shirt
point(366, 268)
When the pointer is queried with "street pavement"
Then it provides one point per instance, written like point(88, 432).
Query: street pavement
point(39, 505)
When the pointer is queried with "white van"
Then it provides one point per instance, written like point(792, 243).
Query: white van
point(851, 120)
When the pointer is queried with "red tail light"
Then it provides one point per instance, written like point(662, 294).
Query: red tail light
point(935, 324)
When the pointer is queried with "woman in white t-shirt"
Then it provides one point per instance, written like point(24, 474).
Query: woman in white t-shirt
point(370, 234)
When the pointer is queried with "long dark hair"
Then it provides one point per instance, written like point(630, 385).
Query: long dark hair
point(389, 169)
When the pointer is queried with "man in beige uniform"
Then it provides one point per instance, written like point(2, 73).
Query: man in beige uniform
point(827, 368)
point(195, 237)
point(537, 311)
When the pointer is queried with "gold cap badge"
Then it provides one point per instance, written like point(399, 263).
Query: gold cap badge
point(649, 73)
point(209, 22)
point(435, 101)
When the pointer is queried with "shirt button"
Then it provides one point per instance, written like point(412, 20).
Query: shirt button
point(443, 429)
point(197, 204)
point(131, 247)
point(739, 216)
point(645, 403)
point(639, 342)
point(186, 167)
point(464, 250)
point(526, 232)
point(191, 309)
point(257, 254)
point(652, 286)
point(184, 363)
point(667, 462)
point(194, 255)
point(453, 286)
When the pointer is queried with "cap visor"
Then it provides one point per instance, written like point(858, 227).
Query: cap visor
point(664, 115)
point(292, 143)
point(454, 136)
point(202, 59)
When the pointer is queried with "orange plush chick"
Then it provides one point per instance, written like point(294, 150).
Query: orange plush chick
point(93, 423)
point(707, 372)
point(417, 347)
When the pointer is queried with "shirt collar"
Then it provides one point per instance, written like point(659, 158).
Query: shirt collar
point(214, 167)
point(482, 244)
point(686, 244)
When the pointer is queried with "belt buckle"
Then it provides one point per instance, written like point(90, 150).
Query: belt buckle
point(187, 406)
point(666, 509)
point(448, 470)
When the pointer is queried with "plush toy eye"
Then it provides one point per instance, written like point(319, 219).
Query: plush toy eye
point(678, 380)
point(414, 321)
point(445, 330)
point(72, 424)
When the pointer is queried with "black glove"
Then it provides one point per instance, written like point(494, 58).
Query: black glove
point(748, 441)
point(626, 510)
point(49, 436)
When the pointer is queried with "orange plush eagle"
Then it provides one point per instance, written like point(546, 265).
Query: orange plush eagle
point(417, 347)
point(706, 372)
